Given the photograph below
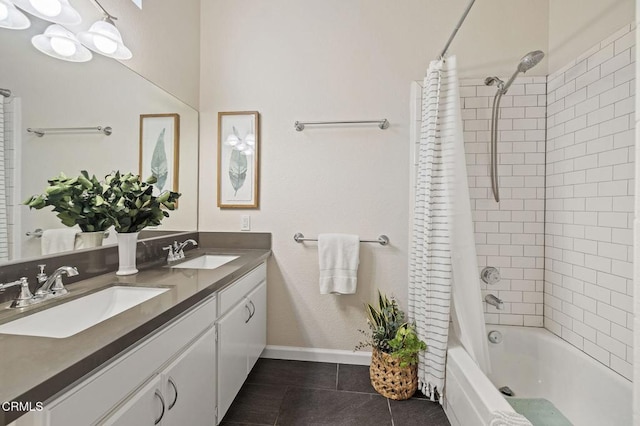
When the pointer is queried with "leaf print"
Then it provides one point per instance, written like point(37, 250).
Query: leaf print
point(159, 167)
point(237, 170)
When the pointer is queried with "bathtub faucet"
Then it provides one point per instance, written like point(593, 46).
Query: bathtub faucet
point(493, 300)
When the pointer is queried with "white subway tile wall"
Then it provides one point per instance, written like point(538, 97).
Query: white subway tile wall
point(510, 234)
point(588, 289)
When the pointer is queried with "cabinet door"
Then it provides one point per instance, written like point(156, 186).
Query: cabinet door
point(257, 325)
point(232, 354)
point(190, 385)
point(148, 406)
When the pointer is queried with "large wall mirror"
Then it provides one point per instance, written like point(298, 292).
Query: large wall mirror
point(51, 93)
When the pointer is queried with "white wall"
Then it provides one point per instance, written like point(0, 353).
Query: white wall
point(308, 60)
point(165, 40)
point(577, 25)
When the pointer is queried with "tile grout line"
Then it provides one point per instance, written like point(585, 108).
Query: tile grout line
point(390, 412)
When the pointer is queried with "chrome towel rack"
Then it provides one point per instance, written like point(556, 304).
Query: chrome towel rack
point(383, 240)
point(37, 233)
point(382, 124)
point(41, 131)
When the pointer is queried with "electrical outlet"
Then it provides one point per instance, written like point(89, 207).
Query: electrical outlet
point(245, 222)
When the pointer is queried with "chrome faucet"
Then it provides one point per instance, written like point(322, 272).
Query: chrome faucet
point(176, 252)
point(25, 298)
point(493, 300)
point(53, 285)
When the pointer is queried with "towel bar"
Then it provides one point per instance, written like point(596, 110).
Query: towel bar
point(383, 240)
point(37, 233)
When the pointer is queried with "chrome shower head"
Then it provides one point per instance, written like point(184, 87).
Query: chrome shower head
point(529, 61)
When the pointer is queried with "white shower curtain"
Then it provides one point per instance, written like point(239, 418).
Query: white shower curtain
point(443, 269)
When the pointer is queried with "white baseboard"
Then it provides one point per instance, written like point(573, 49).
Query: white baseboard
point(317, 355)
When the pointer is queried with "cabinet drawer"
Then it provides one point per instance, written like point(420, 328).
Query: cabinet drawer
point(91, 399)
point(231, 295)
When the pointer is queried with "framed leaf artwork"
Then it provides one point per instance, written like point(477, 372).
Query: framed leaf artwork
point(159, 150)
point(238, 159)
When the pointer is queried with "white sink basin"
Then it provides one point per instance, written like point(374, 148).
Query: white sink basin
point(72, 317)
point(206, 261)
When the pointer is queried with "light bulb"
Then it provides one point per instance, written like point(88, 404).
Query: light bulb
point(250, 139)
point(4, 11)
point(104, 44)
point(47, 7)
point(63, 46)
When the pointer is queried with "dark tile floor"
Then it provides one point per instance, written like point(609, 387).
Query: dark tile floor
point(301, 393)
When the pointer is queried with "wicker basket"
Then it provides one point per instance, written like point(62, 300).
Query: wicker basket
point(389, 379)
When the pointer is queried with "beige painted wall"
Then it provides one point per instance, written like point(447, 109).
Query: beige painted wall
point(577, 25)
point(336, 60)
point(165, 40)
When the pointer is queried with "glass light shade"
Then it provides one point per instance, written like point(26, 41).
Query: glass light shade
point(60, 43)
point(11, 17)
point(248, 151)
point(250, 139)
point(104, 38)
point(56, 11)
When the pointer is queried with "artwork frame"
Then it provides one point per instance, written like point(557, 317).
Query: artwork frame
point(150, 143)
point(238, 169)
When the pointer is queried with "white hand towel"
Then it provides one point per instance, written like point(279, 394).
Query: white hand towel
point(338, 258)
point(508, 418)
point(58, 240)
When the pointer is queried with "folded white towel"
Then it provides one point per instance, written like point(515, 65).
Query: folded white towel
point(58, 240)
point(338, 258)
point(509, 418)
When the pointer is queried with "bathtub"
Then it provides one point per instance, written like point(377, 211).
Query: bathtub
point(535, 363)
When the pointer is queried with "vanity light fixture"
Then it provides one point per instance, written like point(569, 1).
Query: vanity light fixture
point(60, 43)
point(11, 17)
point(56, 11)
point(104, 38)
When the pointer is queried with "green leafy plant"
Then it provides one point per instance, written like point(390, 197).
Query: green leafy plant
point(77, 200)
point(132, 205)
point(389, 331)
point(406, 345)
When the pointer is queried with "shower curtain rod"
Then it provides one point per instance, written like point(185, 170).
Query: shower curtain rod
point(455, 31)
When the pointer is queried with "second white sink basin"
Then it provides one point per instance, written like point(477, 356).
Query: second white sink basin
point(79, 314)
point(206, 261)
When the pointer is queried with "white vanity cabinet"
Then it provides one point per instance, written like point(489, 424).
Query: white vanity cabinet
point(181, 394)
point(242, 333)
point(132, 389)
point(186, 373)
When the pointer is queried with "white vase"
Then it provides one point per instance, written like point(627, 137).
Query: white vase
point(90, 239)
point(127, 243)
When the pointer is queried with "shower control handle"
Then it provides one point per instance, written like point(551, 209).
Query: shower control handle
point(490, 275)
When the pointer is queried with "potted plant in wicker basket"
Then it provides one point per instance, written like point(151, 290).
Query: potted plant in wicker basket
point(394, 369)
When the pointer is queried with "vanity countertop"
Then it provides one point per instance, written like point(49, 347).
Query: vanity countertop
point(36, 368)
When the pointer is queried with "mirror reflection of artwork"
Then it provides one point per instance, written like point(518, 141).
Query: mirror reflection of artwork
point(159, 146)
point(238, 159)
